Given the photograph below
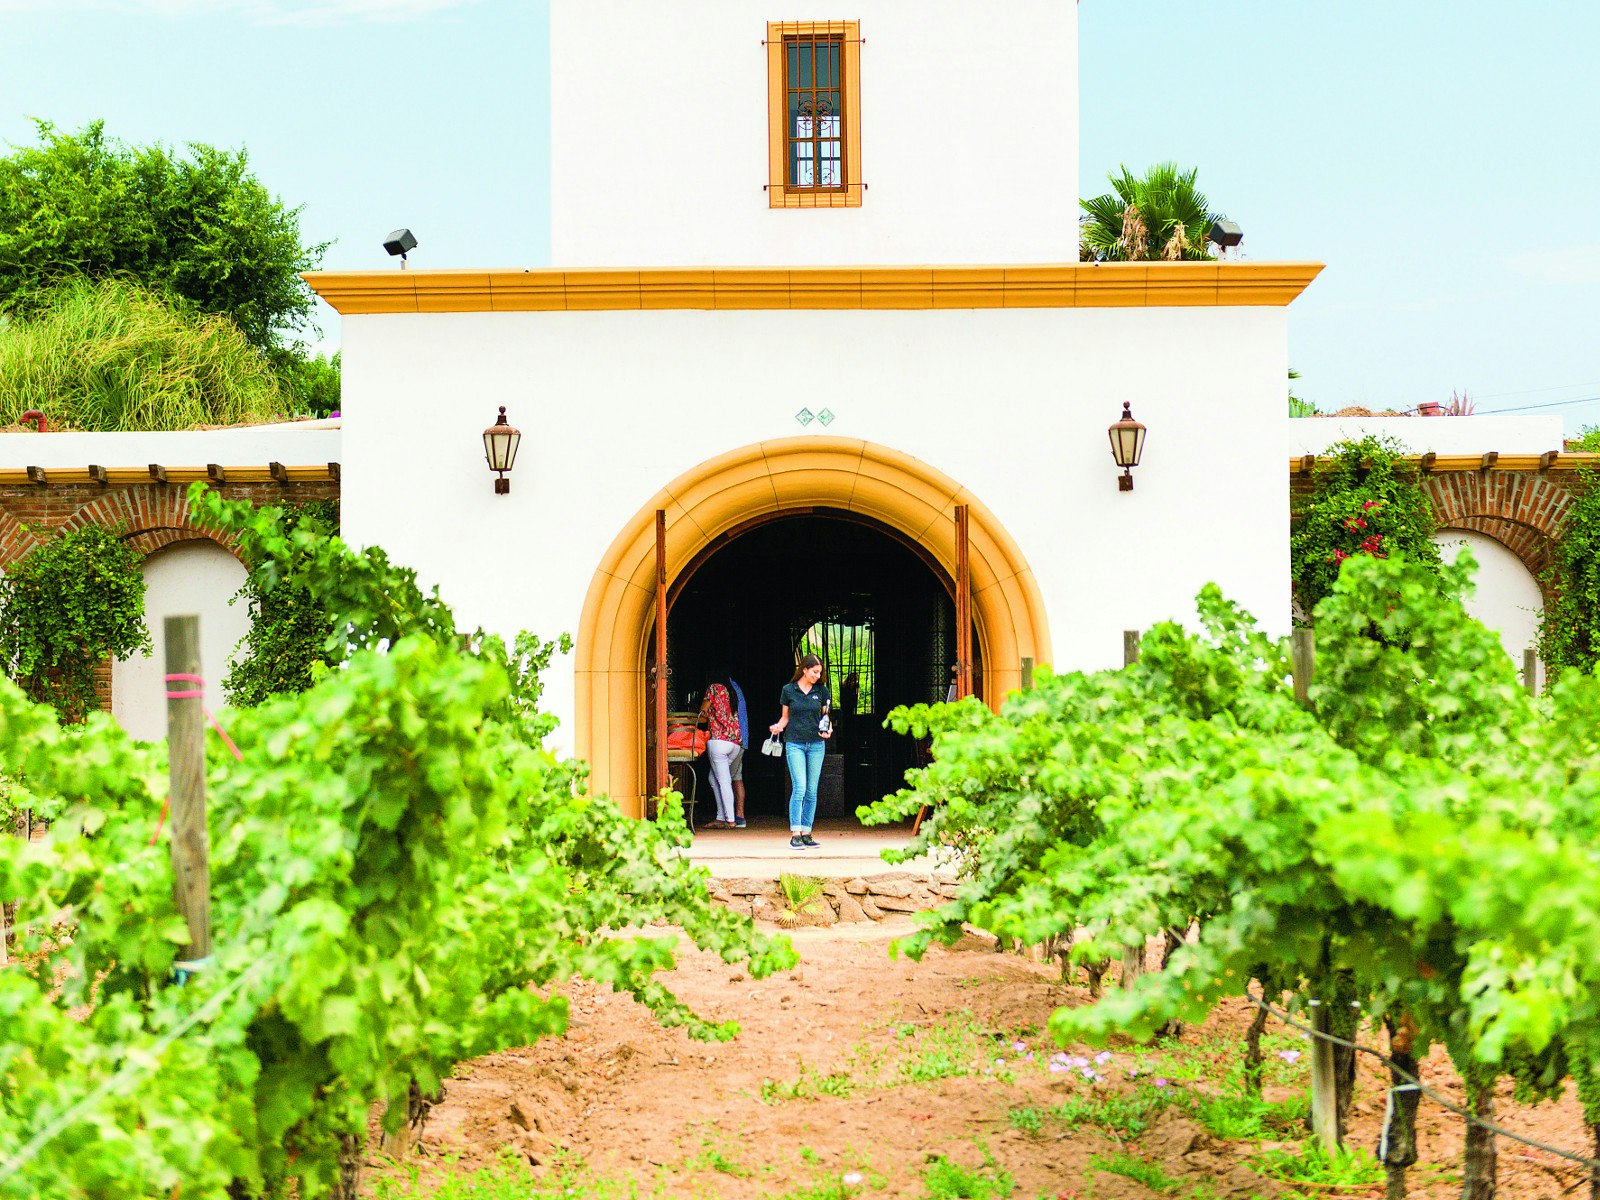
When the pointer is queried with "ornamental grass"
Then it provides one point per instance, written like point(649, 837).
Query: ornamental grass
point(109, 355)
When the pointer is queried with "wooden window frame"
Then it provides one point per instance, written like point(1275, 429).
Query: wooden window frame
point(779, 193)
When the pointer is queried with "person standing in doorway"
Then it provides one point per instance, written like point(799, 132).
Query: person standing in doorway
point(722, 747)
point(736, 767)
point(805, 727)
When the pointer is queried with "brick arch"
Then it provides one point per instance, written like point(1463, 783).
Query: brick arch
point(155, 515)
point(16, 539)
point(1522, 512)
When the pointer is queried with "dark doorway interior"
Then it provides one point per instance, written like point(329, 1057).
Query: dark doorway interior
point(837, 586)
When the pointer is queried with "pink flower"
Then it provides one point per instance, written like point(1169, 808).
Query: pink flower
point(1161, 1083)
point(1289, 1056)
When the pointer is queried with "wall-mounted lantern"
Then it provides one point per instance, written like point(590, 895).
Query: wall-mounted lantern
point(1127, 443)
point(500, 443)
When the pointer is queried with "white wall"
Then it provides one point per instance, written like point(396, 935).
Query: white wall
point(969, 135)
point(1442, 435)
point(187, 577)
point(1507, 598)
point(1011, 403)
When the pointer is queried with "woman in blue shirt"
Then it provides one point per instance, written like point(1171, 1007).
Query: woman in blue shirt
point(805, 728)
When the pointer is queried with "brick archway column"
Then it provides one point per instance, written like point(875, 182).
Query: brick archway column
point(895, 489)
point(1521, 511)
point(155, 515)
point(15, 540)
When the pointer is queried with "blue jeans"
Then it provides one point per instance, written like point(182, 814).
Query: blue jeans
point(805, 767)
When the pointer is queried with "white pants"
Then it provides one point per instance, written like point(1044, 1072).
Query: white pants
point(721, 755)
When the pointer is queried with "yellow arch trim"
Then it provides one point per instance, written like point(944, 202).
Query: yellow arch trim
point(612, 650)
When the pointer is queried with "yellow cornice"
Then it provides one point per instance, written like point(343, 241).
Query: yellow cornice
point(1441, 464)
point(1063, 285)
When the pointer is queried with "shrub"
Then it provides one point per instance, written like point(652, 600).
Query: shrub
point(113, 356)
point(1365, 500)
point(64, 609)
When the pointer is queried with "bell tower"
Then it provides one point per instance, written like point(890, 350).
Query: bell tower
point(884, 132)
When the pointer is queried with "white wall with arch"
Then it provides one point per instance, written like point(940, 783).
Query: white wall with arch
point(186, 577)
point(1507, 599)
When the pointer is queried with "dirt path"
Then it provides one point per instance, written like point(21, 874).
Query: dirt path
point(859, 1064)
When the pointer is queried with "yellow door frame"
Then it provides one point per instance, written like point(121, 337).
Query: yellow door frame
point(902, 492)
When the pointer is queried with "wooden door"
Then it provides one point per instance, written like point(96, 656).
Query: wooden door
point(963, 606)
point(658, 665)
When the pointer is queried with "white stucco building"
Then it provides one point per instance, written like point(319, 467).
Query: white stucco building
point(793, 314)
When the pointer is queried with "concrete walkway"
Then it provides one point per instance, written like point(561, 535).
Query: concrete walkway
point(847, 850)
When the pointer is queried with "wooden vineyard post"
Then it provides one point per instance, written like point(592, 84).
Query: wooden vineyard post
point(8, 909)
point(1324, 1088)
point(186, 762)
point(1530, 671)
point(1132, 955)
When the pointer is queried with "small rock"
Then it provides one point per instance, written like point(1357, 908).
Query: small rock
point(871, 910)
point(1173, 1137)
point(832, 890)
point(897, 904)
point(949, 890)
point(746, 887)
point(894, 889)
point(534, 1147)
point(857, 887)
point(721, 896)
point(735, 978)
point(850, 909)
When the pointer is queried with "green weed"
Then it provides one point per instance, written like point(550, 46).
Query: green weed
point(1312, 1164)
point(509, 1179)
point(1241, 1116)
point(808, 1086)
point(1140, 1170)
point(713, 1159)
point(1130, 1114)
point(942, 1052)
point(1029, 1120)
point(946, 1180)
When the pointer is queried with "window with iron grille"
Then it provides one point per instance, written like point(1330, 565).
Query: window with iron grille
point(814, 110)
point(814, 79)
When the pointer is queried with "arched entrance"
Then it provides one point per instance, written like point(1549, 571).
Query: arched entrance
point(710, 502)
point(877, 609)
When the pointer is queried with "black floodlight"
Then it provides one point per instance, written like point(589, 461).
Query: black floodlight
point(1224, 233)
point(399, 242)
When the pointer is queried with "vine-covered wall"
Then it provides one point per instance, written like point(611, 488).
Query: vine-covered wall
point(145, 517)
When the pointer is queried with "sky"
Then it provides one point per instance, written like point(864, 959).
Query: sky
point(1440, 156)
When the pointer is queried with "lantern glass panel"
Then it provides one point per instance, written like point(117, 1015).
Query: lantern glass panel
point(1127, 442)
point(500, 445)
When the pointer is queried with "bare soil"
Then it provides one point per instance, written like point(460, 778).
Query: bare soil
point(634, 1102)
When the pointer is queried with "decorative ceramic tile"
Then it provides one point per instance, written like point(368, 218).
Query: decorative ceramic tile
point(805, 416)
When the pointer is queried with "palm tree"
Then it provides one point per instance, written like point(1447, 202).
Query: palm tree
point(1160, 216)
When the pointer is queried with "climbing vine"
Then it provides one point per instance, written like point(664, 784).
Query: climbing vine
point(74, 602)
point(1364, 500)
point(289, 629)
point(1569, 630)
